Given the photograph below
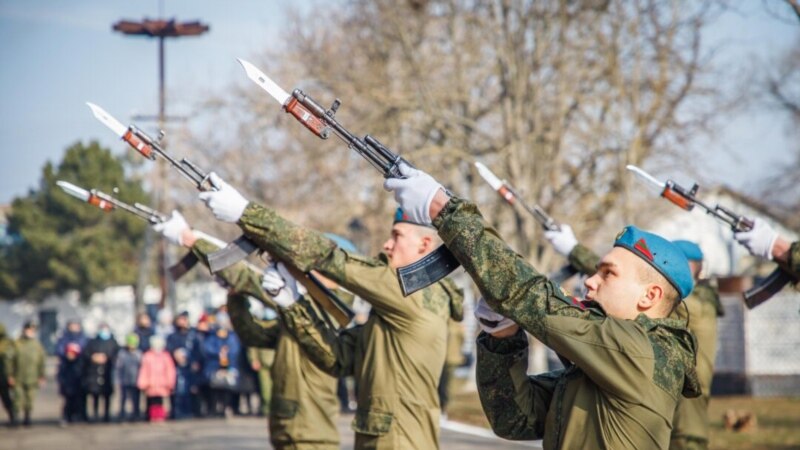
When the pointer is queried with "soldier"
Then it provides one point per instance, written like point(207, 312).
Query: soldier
point(766, 243)
point(628, 363)
point(6, 370)
point(28, 371)
point(397, 356)
point(303, 407)
point(690, 427)
point(262, 359)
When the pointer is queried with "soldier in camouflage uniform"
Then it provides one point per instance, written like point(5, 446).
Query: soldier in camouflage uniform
point(397, 356)
point(28, 371)
point(304, 407)
point(690, 427)
point(6, 366)
point(764, 242)
point(628, 364)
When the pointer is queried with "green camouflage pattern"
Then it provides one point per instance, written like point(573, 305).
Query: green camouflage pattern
point(303, 402)
point(794, 258)
point(28, 361)
point(583, 259)
point(6, 356)
point(397, 356)
point(626, 376)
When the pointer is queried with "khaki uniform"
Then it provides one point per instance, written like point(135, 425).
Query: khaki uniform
point(6, 370)
point(265, 358)
point(794, 258)
point(397, 356)
point(28, 370)
point(691, 424)
point(625, 378)
point(303, 407)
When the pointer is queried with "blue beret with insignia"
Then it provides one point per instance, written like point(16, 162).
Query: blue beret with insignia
point(343, 243)
point(690, 250)
point(666, 257)
point(402, 217)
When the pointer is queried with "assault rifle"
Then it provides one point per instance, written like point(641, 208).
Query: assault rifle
point(322, 122)
point(510, 195)
point(687, 200)
point(242, 246)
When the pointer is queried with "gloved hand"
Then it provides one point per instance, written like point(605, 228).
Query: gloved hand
point(414, 193)
point(758, 241)
point(562, 240)
point(280, 285)
point(490, 321)
point(173, 228)
point(226, 203)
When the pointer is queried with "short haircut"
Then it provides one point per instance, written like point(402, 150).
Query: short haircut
point(423, 231)
point(649, 275)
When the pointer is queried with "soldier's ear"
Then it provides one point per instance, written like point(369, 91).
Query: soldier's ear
point(653, 295)
point(425, 244)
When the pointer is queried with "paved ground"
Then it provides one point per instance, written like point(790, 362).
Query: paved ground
point(233, 433)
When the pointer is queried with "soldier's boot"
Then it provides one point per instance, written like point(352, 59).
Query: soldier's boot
point(12, 419)
point(27, 421)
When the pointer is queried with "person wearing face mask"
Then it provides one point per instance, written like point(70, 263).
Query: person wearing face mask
point(28, 371)
point(99, 359)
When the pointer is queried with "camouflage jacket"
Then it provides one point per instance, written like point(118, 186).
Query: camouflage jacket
point(794, 258)
point(397, 356)
point(28, 361)
point(304, 405)
point(700, 311)
point(625, 377)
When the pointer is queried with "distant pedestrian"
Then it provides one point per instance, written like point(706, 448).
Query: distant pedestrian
point(70, 384)
point(127, 372)
point(144, 329)
point(156, 378)
point(6, 374)
point(221, 351)
point(28, 371)
point(74, 334)
point(184, 385)
point(99, 359)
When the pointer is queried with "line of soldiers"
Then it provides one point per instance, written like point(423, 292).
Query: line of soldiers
point(635, 376)
point(21, 372)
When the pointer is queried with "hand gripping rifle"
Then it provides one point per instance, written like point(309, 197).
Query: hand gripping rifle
point(242, 246)
point(686, 199)
point(510, 195)
point(428, 270)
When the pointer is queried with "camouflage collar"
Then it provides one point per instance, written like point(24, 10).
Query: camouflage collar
point(667, 322)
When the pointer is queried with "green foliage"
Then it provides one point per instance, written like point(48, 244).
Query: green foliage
point(67, 244)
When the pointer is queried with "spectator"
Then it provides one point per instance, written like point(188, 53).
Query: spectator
point(127, 370)
point(201, 403)
point(74, 334)
point(99, 359)
point(6, 373)
point(70, 384)
point(156, 378)
point(182, 338)
point(221, 351)
point(144, 329)
point(248, 383)
point(261, 360)
point(184, 385)
point(28, 371)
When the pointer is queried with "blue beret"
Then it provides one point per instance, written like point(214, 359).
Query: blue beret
point(690, 250)
point(666, 257)
point(401, 217)
point(342, 243)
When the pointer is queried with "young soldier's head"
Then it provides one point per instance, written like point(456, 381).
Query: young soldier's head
point(409, 242)
point(643, 274)
point(694, 254)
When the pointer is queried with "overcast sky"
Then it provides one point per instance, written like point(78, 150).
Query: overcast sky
point(58, 54)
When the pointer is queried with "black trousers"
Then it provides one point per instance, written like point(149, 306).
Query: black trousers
point(5, 397)
point(96, 406)
point(73, 408)
point(130, 394)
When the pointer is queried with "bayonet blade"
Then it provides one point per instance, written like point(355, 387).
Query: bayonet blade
point(651, 181)
point(264, 81)
point(489, 176)
point(75, 191)
point(108, 120)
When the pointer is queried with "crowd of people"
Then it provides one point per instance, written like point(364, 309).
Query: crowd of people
point(178, 373)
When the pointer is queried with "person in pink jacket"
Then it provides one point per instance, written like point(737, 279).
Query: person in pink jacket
point(156, 378)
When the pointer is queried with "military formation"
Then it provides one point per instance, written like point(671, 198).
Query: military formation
point(637, 350)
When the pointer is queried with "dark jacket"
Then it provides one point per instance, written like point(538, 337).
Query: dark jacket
point(98, 378)
point(70, 377)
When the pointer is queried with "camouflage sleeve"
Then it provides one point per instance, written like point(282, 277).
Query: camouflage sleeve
point(611, 352)
point(252, 333)
point(456, 295)
point(794, 258)
point(515, 404)
point(369, 278)
point(333, 354)
point(583, 259)
point(239, 277)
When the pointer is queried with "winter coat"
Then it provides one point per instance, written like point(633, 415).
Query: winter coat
point(98, 378)
point(156, 374)
point(211, 352)
point(68, 338)
point(70, 377)
point(127, 367)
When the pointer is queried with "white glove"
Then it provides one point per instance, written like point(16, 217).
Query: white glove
point(173, 228)
point(758, 241)
point(562, 240)
point(490, 321)
point(280, 285)
point(414, 193)
point(226, 203)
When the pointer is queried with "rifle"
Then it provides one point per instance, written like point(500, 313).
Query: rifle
point(321, 122)
point(510, 195)
point(242, 246)
point(687, 200)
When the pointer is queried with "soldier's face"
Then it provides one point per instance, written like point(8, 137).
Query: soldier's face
point(617, 285)
point(405, 246)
